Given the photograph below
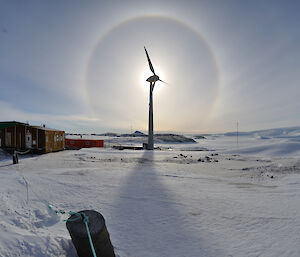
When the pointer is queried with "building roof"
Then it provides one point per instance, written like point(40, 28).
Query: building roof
point(45, 128)
point(7, 124)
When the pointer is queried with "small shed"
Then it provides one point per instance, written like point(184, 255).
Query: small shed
point(83, 143)
point(22, 136)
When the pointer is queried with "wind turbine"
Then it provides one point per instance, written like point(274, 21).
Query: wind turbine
point(152, 79)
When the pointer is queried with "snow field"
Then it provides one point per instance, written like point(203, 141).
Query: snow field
point(161, 203)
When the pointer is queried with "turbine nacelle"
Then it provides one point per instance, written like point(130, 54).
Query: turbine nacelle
point(152, 79)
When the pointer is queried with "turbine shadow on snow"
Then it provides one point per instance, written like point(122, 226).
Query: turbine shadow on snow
point(148, 220)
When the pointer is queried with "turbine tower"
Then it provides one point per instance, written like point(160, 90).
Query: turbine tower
point(152, 79)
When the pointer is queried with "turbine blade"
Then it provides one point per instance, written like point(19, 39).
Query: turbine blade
point(163, 81)
point(149, 61)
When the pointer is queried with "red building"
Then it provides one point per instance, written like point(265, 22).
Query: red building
point(83, 143)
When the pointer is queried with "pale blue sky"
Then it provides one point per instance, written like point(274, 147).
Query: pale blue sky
point(80, 65)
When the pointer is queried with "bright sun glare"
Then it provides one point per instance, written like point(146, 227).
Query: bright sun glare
point(146, 73)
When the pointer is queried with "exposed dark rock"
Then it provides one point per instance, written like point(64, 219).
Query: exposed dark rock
point(109, 134)
point(135, 134)
point(172, 138)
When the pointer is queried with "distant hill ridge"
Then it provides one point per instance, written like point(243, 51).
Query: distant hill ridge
point(158, 138)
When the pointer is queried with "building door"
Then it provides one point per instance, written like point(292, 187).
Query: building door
point(28, 140)
point(8, 139)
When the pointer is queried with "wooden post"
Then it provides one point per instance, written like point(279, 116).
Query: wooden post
point(98, 231)
point(15, 158)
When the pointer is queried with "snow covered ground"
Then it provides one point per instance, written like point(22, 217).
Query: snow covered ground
point(233, 200)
